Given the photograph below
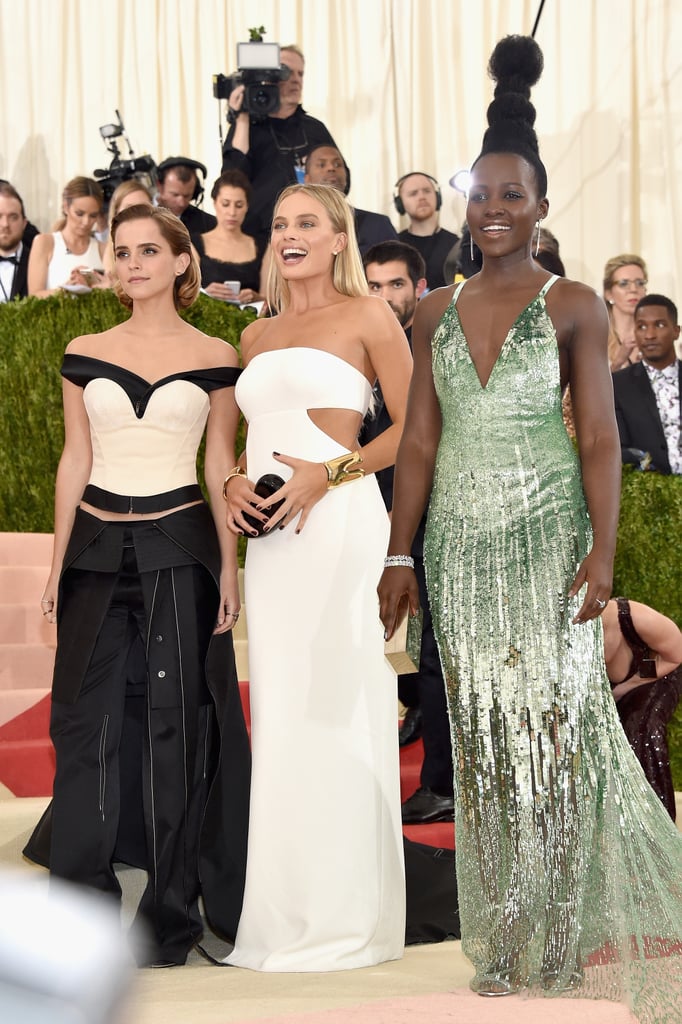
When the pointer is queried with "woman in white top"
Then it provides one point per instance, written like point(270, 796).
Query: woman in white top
point(70, 255)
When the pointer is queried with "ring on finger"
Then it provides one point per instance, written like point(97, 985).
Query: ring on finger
point(599, 603)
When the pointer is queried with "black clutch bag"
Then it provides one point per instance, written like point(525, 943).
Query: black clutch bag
point(265, 486)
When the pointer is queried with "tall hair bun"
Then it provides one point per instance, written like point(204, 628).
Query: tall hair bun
point(515, 65)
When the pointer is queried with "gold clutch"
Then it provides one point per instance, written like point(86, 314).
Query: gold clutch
point(403, 649)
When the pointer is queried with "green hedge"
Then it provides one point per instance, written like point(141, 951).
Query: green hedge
point(33, 336)
point(34, 333)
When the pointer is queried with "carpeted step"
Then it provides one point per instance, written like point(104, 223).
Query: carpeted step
point(25, 666)
point(24, 624)
point(22, 584)
point(13, 707)
point(26, 549)
point(27, 766)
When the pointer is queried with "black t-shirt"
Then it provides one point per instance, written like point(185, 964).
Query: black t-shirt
point(276, 146)
point(434, 248)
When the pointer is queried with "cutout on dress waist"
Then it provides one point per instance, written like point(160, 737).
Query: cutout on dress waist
point(319, 425)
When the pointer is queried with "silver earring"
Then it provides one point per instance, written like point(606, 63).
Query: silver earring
point(471, 246)
point(537, 241)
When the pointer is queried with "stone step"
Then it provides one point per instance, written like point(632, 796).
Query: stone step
point(26, 666)
point(22, 584)
point(26, 549)
point(24, 624)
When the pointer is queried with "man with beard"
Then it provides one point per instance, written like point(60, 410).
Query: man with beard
point(418, 196)
point(16, 238)
point(396, 272)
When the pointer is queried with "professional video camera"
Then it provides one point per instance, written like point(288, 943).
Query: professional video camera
point(260, 72)
point(123, 168)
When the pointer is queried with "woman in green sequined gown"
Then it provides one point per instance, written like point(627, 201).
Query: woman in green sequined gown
point(569, 871)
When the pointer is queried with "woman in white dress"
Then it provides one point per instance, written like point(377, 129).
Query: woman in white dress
point(325, 880)
point(70, 256)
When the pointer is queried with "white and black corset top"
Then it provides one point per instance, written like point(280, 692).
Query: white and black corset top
point(144, 436)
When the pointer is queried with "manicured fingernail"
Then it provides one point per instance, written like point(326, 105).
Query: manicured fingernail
point(276, 453)
point(385, 634)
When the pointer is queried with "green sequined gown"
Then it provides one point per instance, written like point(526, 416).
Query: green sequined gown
point(569, 870)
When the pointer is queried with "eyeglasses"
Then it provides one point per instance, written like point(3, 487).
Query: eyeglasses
point(639, 283)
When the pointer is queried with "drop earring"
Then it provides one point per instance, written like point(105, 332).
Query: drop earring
point(471, 245)
point(537, 241)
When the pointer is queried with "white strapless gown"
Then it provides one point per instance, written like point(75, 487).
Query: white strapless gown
point(325, 886)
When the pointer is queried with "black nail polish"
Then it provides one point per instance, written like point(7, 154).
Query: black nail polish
point(276, 453)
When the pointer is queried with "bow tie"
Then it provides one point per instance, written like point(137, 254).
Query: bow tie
point(9, 259)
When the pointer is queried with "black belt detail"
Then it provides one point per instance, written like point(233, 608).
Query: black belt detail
point(108, 501)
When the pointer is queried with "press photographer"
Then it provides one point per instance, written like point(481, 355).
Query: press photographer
point(269, 148)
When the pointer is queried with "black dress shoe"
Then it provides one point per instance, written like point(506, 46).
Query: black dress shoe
point(411, 729)
point(425, 807)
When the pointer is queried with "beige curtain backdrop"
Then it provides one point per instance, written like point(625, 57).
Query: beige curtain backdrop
point(401, 84)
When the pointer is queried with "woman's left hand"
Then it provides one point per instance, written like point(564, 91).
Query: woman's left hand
point(597, 572)
point(300, 493)
point(230, 602)
point(247, 295)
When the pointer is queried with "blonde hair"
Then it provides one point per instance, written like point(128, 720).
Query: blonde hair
point(186, 286)
point(626, 259)
point(348, 276)
point(293, 48)
point(79, 188)
point(126, 188)
point(614, 345)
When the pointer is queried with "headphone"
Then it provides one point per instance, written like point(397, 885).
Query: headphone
point(397, 201)
point(184, 161)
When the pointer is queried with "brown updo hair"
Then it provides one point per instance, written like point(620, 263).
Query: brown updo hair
point(187, 285)
point(79, 188)
point(232, 179)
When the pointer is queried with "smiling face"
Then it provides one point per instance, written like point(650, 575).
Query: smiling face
point(628, 286)
point(145, 263)
point(230, 207)
point(503, 205)
point(81, 215)
point(303, 238)
point(656, 334)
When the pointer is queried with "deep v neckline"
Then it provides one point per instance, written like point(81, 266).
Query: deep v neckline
point(540, 295)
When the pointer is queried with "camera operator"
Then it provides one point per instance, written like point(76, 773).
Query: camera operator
point(270, 151)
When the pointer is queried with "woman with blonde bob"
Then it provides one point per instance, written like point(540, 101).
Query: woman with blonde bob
point(143, 581)
point(625, 281)
point(325, 792)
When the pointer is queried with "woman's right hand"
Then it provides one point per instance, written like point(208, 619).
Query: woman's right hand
point(219, 291)
point(398, 592)
point(240, 497)
point(48, 602)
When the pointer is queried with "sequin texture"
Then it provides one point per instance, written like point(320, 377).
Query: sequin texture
point(569, 871)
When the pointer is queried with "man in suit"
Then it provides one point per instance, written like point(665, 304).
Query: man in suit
point(16, 238)
point(648, 394)
point(324, 165)
point(396, 272)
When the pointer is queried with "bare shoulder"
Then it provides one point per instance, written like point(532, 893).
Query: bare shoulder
point(430, 309)
point(215, 351)
point(95, 345)
point(43, 243)
point(580, 297)
point(252, 335)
